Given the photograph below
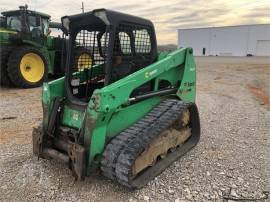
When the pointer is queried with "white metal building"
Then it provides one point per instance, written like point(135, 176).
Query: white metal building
point(239, 40)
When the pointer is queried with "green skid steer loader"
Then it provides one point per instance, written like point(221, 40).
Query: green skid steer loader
point(27, 53)
point(131, 113)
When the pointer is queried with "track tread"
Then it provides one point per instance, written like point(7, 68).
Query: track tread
point(131, 151)
point(118, 144)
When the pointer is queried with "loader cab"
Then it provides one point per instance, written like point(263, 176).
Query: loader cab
point(115, 46)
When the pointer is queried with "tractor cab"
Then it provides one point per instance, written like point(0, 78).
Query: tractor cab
point(29, 24)
point(115, 46)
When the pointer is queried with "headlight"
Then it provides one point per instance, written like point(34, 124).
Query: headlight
point(101, 14)
point(65, 23)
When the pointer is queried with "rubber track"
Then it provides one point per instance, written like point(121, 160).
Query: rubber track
point(133, 138)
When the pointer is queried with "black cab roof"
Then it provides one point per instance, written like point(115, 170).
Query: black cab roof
point(108, 17)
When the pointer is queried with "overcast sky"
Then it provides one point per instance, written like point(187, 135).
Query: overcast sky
point(167, 15)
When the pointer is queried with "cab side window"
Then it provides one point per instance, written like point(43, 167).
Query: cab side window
point(142, 41)
point(124, 43)
point(34, 26)
point(45, 26)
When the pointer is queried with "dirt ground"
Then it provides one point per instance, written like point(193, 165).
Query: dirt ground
point(233, 156)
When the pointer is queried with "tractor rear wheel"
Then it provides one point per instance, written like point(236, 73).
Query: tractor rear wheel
point(4, 79)
point(27, 67)
point(83, 59)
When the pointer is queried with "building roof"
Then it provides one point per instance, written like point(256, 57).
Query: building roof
point(223, 26)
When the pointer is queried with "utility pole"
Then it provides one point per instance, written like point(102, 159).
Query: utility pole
point(82, 7)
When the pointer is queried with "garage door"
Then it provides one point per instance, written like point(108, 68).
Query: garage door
point(263, 48)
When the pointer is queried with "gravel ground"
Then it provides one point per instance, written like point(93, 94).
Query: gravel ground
point(232, 157)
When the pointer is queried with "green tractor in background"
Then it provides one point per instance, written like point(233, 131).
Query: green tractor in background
point(28, 54)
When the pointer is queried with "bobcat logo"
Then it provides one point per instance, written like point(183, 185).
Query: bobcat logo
point(149, 74)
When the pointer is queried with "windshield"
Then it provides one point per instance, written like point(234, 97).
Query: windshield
point(2, 21)
point(88, 62)
point(14, 22)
